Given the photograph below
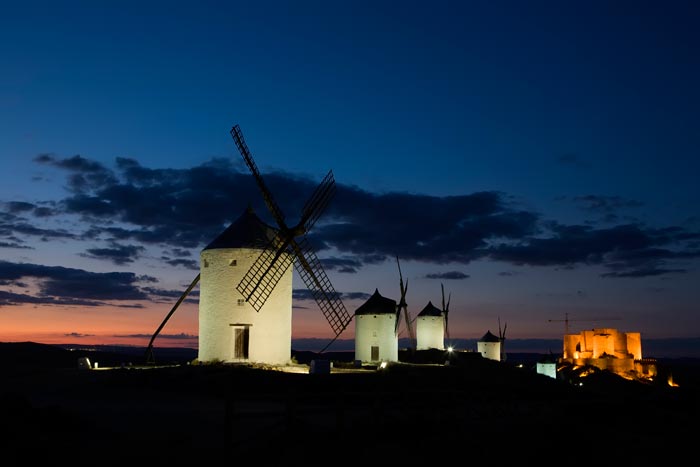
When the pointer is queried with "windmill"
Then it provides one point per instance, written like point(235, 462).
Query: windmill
point(262, 277)
point(445, 310)
point(402, 305)
point(284, 247)
point(502, 338)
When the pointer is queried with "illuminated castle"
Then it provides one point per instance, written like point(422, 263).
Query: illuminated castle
point(607, 349)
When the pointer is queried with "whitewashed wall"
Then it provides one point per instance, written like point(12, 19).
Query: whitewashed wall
point(219, 309)
point(376, 330)
point(430, 332)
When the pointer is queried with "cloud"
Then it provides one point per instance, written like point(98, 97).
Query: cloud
point(117, 254)
point(77, 334)
point(629, 250)
point(605, 204)
point(348, 265)
point(305, 294)
point(186, 263)
point(59, 285)
point(180, 336)
point(184, 209)
point(448, 275)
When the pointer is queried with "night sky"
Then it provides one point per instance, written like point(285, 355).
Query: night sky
point(537, 159)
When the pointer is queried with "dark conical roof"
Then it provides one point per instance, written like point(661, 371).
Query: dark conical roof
point(489, 337)
point(248, 231)
point(377, 305)
point(430, 310)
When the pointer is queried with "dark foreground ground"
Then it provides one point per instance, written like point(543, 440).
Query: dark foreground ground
point(473, 410)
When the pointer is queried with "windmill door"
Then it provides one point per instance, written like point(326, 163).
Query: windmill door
point(374, 353)
point(241, 339)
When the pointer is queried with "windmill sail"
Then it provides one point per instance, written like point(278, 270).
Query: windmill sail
point(403, 306)
point(446, 310)
point(149, 349)
point(259, 282)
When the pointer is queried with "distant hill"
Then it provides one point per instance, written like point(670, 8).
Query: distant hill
point(18, 355)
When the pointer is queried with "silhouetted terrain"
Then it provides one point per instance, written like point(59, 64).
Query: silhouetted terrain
point(473, 409)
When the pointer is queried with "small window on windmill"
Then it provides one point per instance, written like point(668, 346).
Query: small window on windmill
point(240, 302)
point(206, 263)
point(233, 262)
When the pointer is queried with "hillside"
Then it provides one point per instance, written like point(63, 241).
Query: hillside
point(411, 414)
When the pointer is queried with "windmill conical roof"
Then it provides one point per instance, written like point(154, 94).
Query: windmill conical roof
point(430, 310)
point(377, 305)
point(248, 231)
point(489, 337)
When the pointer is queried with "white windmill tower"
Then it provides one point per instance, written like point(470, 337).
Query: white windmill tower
point(489, 346)
point(375, 330)
point(430, 328)
point(246, 284)
point(431, 325)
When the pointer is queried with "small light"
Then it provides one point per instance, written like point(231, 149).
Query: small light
point(382, 365)
point(450, 349)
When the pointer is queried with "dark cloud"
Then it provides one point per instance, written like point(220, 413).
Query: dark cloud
point(508, 273)
point(186, 263)
point(448, 275)
point(117, 254)
point(180, 252)
point(630, 250)
point(184, 209)
point(156, 292)
point(305, 294)
point(349, 265)
point(605, 204)
point(180, 336)
point(84, 173)
point(10, 298)
point(60, 285)
point(14, 245)
point(15, 207)
point(77, 334)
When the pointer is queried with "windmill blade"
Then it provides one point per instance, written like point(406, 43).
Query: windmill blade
point(403, 305)
point(446, 309)
point(267, 195)
point(309, 267)
point(267, 270)
point(149, 349)
point(318, 202)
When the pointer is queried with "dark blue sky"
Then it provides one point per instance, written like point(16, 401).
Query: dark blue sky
point(538, 158)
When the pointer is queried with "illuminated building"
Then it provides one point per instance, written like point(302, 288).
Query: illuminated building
point(489, 346)
point(375, 330)
point(230, 330)
point(608, 349)
point(430, 328)
point(547, 365)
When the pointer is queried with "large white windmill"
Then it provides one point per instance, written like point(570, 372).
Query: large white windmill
point(245, 308)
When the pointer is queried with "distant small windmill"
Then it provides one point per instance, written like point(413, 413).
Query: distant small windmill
point(502, 338)
point(403, 306)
